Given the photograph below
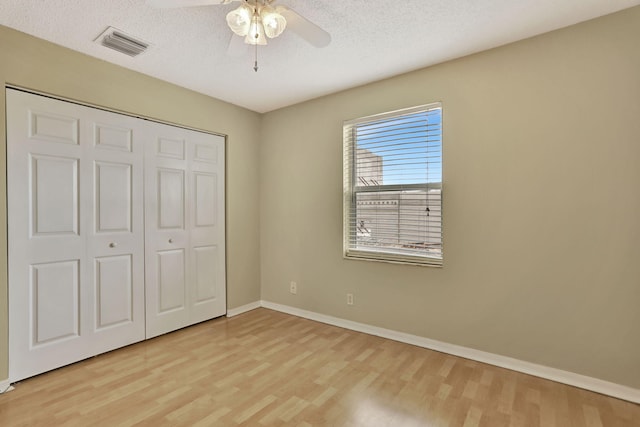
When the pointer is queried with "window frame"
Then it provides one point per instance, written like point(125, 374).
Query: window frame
point(351, 191)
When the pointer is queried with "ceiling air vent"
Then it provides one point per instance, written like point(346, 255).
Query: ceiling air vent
point(122, 42)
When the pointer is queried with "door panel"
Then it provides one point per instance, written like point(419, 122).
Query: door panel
point(113, 197)
point(170, 148)
point(205, 199)
point(114, 221)
point(55, 308)
point(52, 127)
point(171, 197)
point(184, 173)
point(166, 239)
point(113, 137)
point(206, 261)
point(74, 194)
point(114, 290)
point(206, 153)
point(54, 195)
point(171, 280)
point(207, 235)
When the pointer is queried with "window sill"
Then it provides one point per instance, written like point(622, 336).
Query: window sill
point(391, 259)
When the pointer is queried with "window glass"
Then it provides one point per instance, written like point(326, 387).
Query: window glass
point(393, 186)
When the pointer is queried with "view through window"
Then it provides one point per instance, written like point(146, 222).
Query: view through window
point(393, 186)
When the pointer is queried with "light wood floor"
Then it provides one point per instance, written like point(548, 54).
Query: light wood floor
point(265, 368)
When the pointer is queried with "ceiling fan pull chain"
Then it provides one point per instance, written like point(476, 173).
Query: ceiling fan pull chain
point(256, 36)
point(255, 64)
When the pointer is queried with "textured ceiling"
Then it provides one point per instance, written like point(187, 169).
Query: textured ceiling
point(371, 40)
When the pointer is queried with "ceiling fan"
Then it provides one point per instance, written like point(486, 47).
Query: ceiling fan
point(258, 20)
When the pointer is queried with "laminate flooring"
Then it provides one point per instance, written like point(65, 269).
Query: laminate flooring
point(265, 368)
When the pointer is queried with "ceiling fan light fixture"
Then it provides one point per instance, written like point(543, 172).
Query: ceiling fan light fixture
point(273, 22)
point(239, 20)
point(257, 20)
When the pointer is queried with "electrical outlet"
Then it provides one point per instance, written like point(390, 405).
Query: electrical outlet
point(349, 299)
point(293, 288)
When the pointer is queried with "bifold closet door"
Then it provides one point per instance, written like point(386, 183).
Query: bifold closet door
point(76, 232)
point(185, 228)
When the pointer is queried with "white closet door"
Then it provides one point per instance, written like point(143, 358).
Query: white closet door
point(185, 228)
point(76, 278)
point(207, 232)
point(115, 228)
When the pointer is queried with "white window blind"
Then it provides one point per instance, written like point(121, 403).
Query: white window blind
point(393, 186)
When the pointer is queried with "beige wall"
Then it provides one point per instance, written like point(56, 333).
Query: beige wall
point(541, 204)
point(35, 64)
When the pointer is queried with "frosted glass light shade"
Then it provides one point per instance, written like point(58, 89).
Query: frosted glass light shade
point(255, 35)
point(274, 23)
point(239, 20)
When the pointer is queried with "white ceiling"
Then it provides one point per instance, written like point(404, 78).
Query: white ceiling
point(371, 40)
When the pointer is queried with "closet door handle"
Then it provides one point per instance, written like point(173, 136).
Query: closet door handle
point(170, 240)
point(113, 245)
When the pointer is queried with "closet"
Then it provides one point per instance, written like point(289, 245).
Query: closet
point(116, 230)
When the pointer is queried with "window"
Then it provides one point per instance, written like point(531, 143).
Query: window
point(393, 186)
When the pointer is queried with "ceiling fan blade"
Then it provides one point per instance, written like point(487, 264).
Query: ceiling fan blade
point(237, 46)
point(168, 4)
point(306, 29)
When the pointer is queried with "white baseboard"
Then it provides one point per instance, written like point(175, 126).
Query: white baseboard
point(565, 377)
point(243, 308)
point(5, 386)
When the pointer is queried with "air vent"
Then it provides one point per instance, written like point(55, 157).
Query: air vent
point(122, 42)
